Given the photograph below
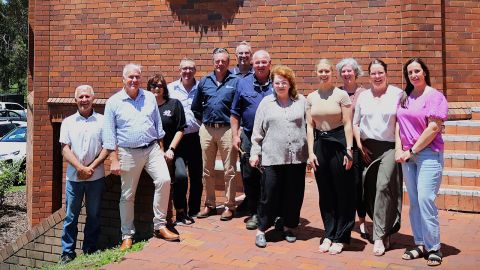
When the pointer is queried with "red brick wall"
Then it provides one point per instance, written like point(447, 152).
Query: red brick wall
point(462, 31)
point(78, 42)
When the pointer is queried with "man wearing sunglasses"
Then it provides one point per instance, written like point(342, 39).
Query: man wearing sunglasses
point(212, 106)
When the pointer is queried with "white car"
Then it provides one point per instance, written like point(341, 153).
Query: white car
point(8, 125)
point(12, 106)
point(13, 146)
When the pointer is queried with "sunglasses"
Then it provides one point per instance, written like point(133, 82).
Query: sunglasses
point(220, 50)
point(153, 86)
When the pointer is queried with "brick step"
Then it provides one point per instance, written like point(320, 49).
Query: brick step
point(461, 143)
point(475, 113)
point(461, 177)
point(451, 197)
point(462, 127)
point(463, 160)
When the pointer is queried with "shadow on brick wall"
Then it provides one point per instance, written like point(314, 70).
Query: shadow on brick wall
point(206, 15)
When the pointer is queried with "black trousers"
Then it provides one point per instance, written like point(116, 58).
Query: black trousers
point(357, 170)
point(336, 187)
point(282, 191)
point(250, 176)
point(188, 154)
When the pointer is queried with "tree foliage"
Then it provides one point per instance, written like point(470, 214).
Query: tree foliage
point(13, 44)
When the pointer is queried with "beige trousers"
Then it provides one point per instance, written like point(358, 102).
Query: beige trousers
point(132, 162)
point(211, 140)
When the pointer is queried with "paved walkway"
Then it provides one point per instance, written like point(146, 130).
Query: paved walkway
point(214, 244)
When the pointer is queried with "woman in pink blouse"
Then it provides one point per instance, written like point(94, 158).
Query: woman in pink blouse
point(420, 117)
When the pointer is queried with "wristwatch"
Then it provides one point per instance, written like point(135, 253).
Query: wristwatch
point(171, 148)
point(411, 152)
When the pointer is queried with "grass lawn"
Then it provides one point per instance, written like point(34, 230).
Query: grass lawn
point(96, 260)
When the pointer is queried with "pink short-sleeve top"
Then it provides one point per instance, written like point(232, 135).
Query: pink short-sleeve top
point(413, 119)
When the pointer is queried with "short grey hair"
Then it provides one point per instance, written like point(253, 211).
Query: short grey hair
point(350, 61)
point(244, 43)
point(186, 59)
point(85, 87)
point(259, 52)
point(129, 67)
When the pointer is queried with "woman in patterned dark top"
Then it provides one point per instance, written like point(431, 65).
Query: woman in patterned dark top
point(173, 123)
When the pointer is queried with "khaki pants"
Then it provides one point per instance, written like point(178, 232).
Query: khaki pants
point(211, 140)
point(132, 162)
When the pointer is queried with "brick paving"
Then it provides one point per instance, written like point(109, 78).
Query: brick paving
point(214, 244)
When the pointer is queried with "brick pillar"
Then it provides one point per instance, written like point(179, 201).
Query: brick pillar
point(39, 177)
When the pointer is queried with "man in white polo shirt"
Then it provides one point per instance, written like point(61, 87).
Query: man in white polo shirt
point(81, 139)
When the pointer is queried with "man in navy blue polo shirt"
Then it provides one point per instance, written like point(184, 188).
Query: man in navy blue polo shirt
point(250, 92)
point(212, 105)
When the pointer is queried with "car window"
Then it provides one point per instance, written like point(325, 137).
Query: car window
point(13, 107)
point(4, 129)
point(16, 135)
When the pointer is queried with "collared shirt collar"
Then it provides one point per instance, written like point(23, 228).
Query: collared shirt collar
point(227, 76)
point(124, 95)
point(236, 71)
point(180, 84)
point(260, 85)
point(79, 116)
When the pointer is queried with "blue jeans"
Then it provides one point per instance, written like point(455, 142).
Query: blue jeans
point(75, 191)
point(423, 176)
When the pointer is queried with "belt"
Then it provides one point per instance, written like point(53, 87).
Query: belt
point(217, 125)
point(145, 146)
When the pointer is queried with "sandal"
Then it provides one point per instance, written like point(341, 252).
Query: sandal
point(379, 248)
point(434, 258)
point(335, 248)
point(325, 246)
point(413, 253)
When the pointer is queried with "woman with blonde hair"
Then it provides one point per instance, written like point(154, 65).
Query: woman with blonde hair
point(330, 140)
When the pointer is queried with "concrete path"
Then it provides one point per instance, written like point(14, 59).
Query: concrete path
point(214, 244)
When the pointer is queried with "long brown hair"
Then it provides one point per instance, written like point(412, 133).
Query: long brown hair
point(409, 86)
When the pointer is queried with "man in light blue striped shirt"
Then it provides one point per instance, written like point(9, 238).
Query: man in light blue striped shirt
point(132, 127)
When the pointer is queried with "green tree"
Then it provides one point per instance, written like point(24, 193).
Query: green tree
point(13, 44)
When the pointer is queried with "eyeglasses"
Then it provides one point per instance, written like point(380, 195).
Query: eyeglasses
point(220, 50)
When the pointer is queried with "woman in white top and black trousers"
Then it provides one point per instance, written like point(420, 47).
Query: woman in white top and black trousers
point(374, 128)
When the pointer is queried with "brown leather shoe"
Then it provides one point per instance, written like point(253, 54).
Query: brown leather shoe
point(166, 234)
point(126, 244)
point(226, 215)
point(206, 212)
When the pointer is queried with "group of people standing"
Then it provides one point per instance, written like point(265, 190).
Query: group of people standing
point(358, 142)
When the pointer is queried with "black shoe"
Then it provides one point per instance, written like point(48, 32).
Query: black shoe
point(365, 235)
point(90, 251)
point(66, 258)
point(279, 224)
point(184, 219)
point(242, 208)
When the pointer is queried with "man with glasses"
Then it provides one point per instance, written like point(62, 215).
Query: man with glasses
point(212, 106)
point(133, 128)
point(244, 65)
point(250, 92)
point(189, 151)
